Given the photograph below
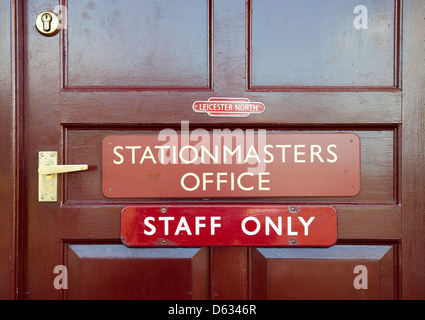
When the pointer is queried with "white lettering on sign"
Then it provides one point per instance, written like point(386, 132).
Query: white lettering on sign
point(244, 161)
point(182, 225)
point(191, 181)
point(228, 107)
point(245, 107)
point(193, 155)
point(249, 225)
point(223, 151)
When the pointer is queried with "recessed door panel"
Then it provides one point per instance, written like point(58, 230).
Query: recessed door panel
point(116, 272)
point(323, 43)
point(341, 272)
point(134, 43)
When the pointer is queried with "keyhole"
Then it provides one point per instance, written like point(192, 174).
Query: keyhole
point(46, 18)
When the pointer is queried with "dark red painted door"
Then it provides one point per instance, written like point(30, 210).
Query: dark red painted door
point(129, 67)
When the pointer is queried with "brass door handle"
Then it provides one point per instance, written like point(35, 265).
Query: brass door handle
point(48, 170)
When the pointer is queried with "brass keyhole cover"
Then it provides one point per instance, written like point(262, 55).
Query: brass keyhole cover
point(48, 23)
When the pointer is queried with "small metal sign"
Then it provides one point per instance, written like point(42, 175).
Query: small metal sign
point(229, 225)
point(230, 164)
point(228, 107)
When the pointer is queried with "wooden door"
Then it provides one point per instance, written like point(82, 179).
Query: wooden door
point(123, 67)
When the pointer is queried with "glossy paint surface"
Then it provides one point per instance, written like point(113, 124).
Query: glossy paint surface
point(308, 64)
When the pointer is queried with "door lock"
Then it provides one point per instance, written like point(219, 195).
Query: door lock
point(48, 170)
point(48, 23)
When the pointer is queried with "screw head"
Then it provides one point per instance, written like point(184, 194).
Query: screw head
point(163, 209)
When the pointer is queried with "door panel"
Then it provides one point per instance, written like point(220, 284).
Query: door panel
point(135, 43)
point(283, 39)
point(377, 176)
point(328, 273)
point(117, 272)
point(134, 67)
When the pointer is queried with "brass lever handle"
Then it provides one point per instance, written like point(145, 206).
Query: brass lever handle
point(46, 170)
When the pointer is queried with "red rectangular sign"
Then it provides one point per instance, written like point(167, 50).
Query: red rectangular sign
point(221, 163)
point(232, 225)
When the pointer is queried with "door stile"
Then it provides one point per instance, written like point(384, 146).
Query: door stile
point(413, 155)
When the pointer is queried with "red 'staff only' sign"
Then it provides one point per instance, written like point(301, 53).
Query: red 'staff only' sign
point(230, 225)
point(230, 164)
point(228, 107)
